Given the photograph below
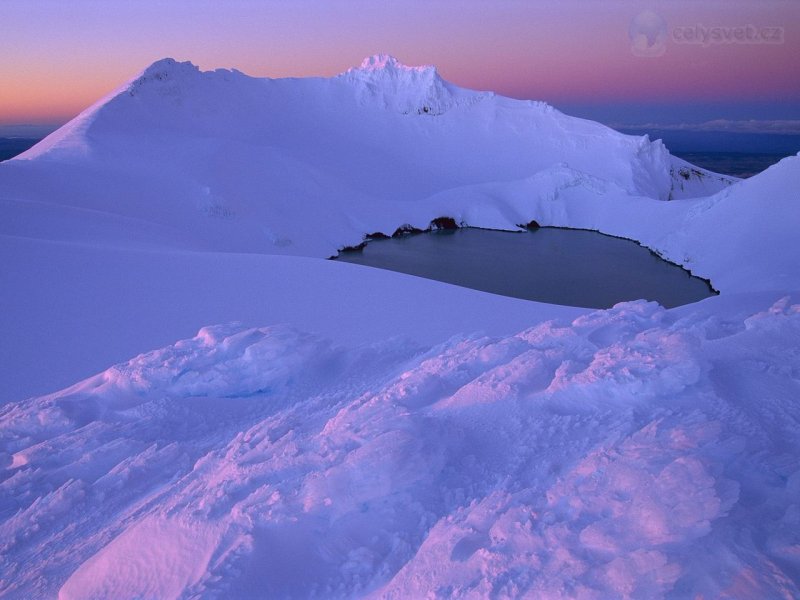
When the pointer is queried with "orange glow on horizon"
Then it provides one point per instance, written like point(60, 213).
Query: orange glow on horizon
point(62, 57)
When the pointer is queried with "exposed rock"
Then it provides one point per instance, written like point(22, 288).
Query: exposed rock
point(443, 223)
point(406, 230)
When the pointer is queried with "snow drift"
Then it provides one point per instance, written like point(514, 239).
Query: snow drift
point(620, 454)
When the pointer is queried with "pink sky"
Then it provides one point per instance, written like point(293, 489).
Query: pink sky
point(58, 57)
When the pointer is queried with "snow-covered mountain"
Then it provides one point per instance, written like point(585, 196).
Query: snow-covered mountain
point(362, 432)
point(219, 160)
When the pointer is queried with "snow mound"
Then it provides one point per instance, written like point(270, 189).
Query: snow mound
point(617, 455)
point(220, 361)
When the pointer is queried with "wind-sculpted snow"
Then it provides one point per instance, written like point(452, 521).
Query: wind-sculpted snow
point(628, 453)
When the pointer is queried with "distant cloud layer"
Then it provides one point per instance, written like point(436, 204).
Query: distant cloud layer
point(787, 127)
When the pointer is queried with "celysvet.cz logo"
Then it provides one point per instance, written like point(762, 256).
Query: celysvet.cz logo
point(743, 34)
point(650, 36)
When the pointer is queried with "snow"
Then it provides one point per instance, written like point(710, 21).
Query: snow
point(306, 166)
point(383, 80)
point(113, 303)
point(329, 430)
point(619, 453)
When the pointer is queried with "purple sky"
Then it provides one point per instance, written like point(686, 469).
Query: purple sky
point(621, 62)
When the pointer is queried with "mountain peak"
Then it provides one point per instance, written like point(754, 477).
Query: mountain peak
point(389, 63)
point(384, 80)
point(163, 68)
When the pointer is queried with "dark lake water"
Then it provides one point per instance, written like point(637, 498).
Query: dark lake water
point(553, 265)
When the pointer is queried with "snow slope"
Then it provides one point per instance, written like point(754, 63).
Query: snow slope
point(113, 303)
point(620, 454)
point(367, 433)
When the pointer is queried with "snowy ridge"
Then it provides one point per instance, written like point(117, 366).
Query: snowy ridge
point(307, 166)
point(625, 439)
point(477, 134)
